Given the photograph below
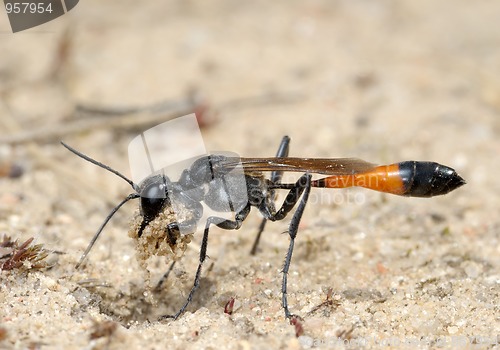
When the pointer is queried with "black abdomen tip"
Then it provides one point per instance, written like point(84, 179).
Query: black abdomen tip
point(428, 179)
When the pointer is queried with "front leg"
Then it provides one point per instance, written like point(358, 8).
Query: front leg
point(222, 223)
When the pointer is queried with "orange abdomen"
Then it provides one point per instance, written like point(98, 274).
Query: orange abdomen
point(384, 178)
point(411, 178)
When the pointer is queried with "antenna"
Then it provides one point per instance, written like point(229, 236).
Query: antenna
point(99, 164)
point(115, 209)
point(94, 239)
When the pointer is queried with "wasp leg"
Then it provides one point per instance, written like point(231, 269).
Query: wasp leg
point(164, 277)
point(290, 201)
point(292, 231)
point(300, 190)
point(219, 222)
point(275, 178)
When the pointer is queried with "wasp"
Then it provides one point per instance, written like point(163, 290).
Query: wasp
point(208, 178)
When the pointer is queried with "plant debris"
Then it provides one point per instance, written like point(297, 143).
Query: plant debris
point(297, 322)
point(103, 329)
point(229, 307)
point(21, 256)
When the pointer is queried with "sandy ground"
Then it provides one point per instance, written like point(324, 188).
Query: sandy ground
point(384, 81)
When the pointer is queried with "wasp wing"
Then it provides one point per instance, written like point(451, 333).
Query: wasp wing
point(325, 166)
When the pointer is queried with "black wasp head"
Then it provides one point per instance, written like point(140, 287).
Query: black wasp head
point(153, 192)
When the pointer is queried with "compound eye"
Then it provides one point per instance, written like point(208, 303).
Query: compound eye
point(153, 197)
point(154, 191)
